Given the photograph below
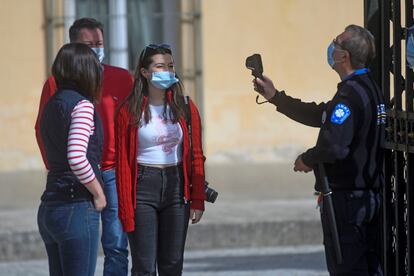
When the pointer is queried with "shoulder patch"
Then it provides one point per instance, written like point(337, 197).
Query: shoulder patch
point(340, 113)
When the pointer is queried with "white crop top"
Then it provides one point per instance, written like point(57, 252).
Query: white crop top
point(159, 141)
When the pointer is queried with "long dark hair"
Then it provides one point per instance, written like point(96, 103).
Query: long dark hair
point(76, 66)
point(140, 89)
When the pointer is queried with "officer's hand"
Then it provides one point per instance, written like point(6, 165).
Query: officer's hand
point(267, 90)
point(300, 166)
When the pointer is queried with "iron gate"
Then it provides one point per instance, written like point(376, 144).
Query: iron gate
point(384, 19)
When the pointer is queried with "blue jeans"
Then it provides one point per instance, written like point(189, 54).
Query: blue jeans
point(70, 231)
point(114, 239)
point(161, 222)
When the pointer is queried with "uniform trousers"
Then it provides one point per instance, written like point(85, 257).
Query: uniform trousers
point(357, 215)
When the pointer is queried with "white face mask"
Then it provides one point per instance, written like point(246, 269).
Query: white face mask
point(163, 80)
point(99, 53)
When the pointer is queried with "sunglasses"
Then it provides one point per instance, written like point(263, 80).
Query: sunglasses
point(159, 46)
point(341, 47)
point(155, 47)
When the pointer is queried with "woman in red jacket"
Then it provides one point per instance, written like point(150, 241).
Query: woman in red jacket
point(160, 175)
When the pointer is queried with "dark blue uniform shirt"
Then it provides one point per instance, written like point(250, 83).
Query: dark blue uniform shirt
point(351, 132)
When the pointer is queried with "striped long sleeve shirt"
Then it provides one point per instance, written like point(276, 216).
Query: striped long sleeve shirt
point(81, 128)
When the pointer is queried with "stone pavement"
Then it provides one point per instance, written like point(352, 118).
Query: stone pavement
point(259, 205)
point(270, 261)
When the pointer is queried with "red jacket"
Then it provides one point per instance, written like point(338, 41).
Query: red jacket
point(126, 136)
point(117, 84)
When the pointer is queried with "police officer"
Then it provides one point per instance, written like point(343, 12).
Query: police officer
point(349, 146)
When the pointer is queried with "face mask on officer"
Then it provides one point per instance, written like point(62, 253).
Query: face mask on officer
point(330, 52)
point(410, 47)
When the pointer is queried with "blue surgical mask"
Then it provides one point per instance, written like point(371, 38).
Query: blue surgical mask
point(99, 53)
point(331, 49)
point(410, 48)
point(164, 79)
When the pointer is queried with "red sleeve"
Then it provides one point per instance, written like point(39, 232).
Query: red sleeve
point(124, 171)
point(198, 173)
point(49, 88)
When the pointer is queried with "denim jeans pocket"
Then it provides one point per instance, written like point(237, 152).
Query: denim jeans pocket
point(140, 177)
point(85, 218)
point(91, 207)
point(59, 219)
point(141, 174)
point(93, 216)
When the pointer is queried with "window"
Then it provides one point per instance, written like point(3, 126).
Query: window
point(129, 25)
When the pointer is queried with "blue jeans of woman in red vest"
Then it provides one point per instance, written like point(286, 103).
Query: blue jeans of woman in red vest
point(70, 231)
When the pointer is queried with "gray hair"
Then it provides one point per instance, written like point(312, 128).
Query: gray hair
point(360, 44)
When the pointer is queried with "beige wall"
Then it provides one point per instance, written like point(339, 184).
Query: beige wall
point(292, 37)
point(22, 74)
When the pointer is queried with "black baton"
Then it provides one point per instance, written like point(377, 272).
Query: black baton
point(330, 212)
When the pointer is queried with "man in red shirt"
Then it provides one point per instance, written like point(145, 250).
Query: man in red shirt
point(117, 84)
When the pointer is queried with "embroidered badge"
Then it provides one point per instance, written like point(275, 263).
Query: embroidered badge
point(340, 113)
point(381, 114)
